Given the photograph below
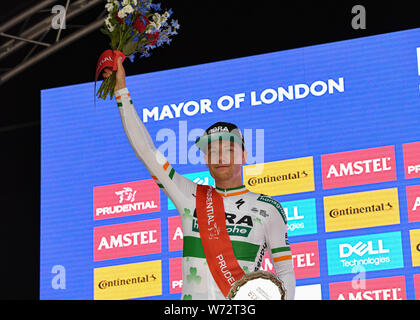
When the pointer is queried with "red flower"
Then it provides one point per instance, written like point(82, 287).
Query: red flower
point(141, 24)
point(118, 18)
point(153, 38)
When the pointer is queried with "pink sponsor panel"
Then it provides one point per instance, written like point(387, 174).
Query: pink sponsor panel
point(392, 288)
point(175, 236)
point(417, 286)
point(358, 167)
point(411, 152)
point(125, 199)
point(413, 203)
point(267, 264)
point(305, 260)
point(175, 275)
point(127, 240)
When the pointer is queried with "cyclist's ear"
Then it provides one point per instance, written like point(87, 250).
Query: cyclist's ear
point(244, 156)
point(205, 155)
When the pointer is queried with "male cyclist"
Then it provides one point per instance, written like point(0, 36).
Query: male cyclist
point(255, 223)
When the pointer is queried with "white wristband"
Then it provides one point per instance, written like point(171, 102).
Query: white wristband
point(121, 92)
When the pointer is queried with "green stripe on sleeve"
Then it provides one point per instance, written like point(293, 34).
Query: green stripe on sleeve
point(243, 251)
point(171, 174)
point(280, 249)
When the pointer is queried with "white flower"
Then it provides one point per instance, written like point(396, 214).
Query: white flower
point(156, 18)
point(125, 11)
point(109, 7)
point(134, 2)
point(129, 9)
point(121, 14)
point(159, 19)
point(109, 24)
point(125, 2)
point(152, 27)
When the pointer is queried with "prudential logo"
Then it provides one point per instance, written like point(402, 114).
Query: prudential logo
point(372, 252)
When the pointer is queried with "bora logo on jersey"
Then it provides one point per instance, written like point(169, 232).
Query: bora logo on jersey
point(236, 226)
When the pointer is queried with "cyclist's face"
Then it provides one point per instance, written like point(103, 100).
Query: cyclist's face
point(224, 159)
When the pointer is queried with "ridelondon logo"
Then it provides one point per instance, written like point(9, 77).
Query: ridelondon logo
point(125, 199)
point(371, 289)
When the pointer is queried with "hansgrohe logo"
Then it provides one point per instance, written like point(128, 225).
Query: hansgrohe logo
point(235, 227)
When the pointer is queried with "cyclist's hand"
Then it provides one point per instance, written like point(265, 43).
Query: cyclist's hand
point(120, 83)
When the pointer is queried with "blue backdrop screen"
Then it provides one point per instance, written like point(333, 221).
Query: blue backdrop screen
point(336, 126)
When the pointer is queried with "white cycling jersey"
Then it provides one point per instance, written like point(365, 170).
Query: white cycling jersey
point(256, 223)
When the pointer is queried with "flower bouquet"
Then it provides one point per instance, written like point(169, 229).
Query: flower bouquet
point(134, 27)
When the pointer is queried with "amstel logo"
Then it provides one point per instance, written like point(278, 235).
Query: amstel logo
point(352, 168)
point(280, 177)
point(128, 281)
point(361, 210)
point(127, 239)
point(413, 203)
point(392, 288)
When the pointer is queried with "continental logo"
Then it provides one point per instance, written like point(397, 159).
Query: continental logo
point(334, 213)
point(128, 281)
point(280, 177)
point(253, 181)
point(415, 247)
point(104, 284)
point(361, 210)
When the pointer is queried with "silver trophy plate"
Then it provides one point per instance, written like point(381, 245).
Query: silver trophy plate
point(258, 285)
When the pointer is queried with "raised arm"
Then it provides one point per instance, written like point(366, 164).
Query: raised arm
point(174, 185)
